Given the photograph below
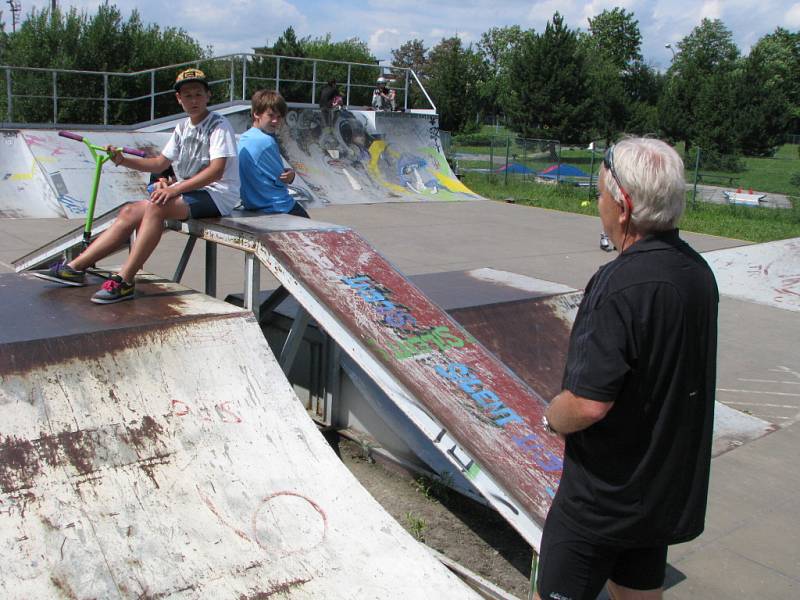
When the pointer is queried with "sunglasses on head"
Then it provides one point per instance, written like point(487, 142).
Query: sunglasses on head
point(608, 163)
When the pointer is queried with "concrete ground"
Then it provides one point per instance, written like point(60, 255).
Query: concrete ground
point(750, 548)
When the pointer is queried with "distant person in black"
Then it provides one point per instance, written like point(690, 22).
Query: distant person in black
point(637, 404)
point(330, 99)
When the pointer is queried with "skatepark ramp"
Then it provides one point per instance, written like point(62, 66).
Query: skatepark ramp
point(346, 157)
point(154, 449)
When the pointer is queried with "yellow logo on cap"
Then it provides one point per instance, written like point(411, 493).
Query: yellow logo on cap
point(190, 74)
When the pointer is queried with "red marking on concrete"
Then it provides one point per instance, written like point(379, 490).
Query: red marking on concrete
point(182, 412)
point(264, 504)
point(213, 508)
point(227, 415)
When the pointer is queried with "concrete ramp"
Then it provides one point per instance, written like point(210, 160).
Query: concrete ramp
point(153, 449)
point(43, 175)
point(364, 157)
point(763, 273)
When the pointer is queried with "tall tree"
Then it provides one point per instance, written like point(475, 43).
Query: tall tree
point(291, 75)
point(700, 69)
point(413, 55)
point(103, 41)
point(453, 82)
point(495, 48)
point(551, 94)
point(780, 53)
point(615, 34)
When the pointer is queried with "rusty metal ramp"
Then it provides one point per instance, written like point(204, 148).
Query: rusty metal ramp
point(479, 415)
point(154, 449)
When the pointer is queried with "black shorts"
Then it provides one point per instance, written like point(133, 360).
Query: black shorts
point(571, 566)
point(201, 205)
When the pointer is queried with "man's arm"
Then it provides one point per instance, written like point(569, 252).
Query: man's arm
point(569, 413)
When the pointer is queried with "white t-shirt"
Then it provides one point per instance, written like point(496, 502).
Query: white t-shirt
point(192, 148)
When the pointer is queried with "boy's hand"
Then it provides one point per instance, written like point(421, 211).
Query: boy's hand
point(115, 154)
point(287, 176)
point(161, 195)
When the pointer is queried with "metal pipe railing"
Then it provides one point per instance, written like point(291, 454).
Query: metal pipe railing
point(59, 78)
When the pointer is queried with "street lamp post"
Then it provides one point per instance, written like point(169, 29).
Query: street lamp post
point(671, 49)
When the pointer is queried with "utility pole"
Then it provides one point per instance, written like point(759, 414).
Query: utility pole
point(16, 8)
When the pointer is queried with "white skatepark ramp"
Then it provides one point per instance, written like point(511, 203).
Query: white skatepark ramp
point(359, 157)
point(154, 449)
point(43, 175)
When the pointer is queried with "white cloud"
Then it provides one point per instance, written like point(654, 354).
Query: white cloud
point(792, 16)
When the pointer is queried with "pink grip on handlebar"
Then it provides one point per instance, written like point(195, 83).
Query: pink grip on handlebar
point(134, 151)
point(70, 135)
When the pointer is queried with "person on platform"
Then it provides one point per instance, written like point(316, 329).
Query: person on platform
point(261, 171)
point(383, 97)
point(202, 152)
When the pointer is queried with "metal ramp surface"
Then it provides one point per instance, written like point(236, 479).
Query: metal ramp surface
point(478, 414)
point(153, 449)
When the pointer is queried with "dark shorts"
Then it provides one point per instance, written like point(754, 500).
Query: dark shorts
point(576, 568)
point(200, 204)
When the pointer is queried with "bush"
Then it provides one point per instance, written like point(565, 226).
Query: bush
point(473, 139)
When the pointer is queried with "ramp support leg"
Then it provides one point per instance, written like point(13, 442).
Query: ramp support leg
point(211, 268)
point(271, 303)
point(252, 283)
point(333, 357)
point(292, 344)
point(534, 574)
point(184, 260)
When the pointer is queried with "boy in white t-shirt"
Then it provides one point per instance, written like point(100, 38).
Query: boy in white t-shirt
point(202, 152)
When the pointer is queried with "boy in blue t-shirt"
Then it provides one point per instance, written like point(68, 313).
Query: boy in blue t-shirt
point(261, 172)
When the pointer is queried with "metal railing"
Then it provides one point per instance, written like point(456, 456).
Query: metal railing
point(31, 92)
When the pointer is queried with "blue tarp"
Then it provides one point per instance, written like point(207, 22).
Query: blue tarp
point(562, 172)
point(514, 168)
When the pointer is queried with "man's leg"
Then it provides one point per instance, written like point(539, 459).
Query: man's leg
point(638, 574)
point(619, 592)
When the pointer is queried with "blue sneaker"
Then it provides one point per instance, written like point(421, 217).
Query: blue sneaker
point(60, 272)
point(114, 290)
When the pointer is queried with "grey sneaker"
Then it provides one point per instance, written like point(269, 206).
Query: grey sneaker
point(60, 272)
point(114, 290)
point(605, 243)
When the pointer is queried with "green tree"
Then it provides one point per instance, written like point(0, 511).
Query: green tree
point(495, 48)
point(762, 106)
point(700, 71)
point(455, 75)
point(290, 77)
point(101, 42)
point(413, 55)
point(552, 94)
point(780, 54)
point(615, 34)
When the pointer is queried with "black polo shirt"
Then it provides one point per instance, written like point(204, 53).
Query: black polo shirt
point(645, 338)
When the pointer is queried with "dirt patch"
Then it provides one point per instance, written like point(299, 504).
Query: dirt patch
point(467, 532)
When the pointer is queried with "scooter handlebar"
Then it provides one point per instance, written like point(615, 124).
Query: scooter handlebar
point(79, 138)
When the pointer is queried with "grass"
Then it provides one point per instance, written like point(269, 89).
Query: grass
point(755, 224)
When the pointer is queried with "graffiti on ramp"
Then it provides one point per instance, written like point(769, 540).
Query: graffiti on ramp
point(364, 157)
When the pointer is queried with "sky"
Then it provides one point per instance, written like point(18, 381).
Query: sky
point(232, 26)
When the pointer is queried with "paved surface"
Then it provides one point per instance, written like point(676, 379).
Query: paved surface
point(750, 547)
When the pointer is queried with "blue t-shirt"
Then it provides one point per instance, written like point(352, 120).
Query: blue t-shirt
point(260, 165)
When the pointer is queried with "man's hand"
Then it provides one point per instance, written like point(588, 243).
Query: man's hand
point(287, 176)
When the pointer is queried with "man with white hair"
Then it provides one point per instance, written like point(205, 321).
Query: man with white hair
point(637, 401)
